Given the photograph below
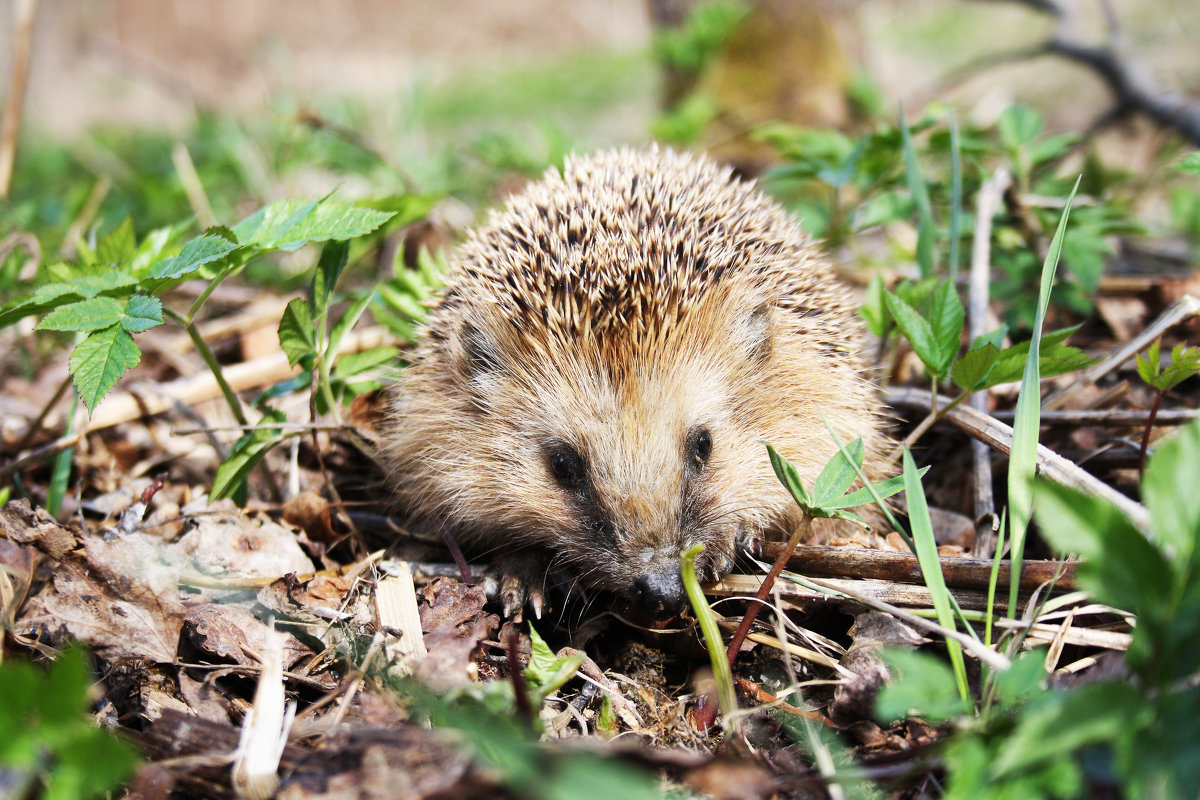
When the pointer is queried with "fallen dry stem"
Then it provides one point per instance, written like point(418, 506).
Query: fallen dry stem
point(999, 436)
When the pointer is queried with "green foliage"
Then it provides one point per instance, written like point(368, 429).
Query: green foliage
point(110, 301)
point(1131, 735)
point(546, 673)
point(829, 498)
point(690, 47)
point(925, 547)
point(713, 642)
point(935, 336)
point(48, 736)
point(1183, 364)
point(1190, 165)
point(897, 177)
point(483, 716)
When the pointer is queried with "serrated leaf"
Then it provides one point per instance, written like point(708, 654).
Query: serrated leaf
point(838, 475)
point(194, 254)
point(946, 314)
point(118, 245)
point(1120, 566)
point(290, 224)
point(245, 455)
point(296, 334)
point(91, 314)
point(142, 313)
point(99, 361)
point(970, 372)
point(915, 328)
point(85, 286)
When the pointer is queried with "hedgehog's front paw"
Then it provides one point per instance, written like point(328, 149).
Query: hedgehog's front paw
point(522, 574)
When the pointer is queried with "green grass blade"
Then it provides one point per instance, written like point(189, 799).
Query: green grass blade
point(920, 194)
point(62, 465)
point(931, 569)
point(956, 191)
point(712, 634)
point(1023, 457)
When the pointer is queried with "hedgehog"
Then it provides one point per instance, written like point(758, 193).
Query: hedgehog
point(605, 361)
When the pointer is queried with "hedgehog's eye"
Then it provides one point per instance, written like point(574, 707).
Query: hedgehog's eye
point(701, 446)
point(567, 466)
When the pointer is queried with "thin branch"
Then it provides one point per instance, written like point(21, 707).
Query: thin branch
point(1131, 84)
point(1049, 464)
point(991, 195)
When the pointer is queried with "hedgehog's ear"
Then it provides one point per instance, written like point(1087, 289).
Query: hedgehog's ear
point(757, 329)
point(479, 356)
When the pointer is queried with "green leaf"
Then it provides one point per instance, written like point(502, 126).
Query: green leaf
point(873, 310)
point(1018, 126)
point(1171, 491)
point(296, 333)
point(91, 314)
point(839, 473)
point(1022, 458)
point(142, 313)
point(970, 372)
point(346, 324)
point(1148, 368)
point(1120, 566)
point(1190, 165)
point(946, 316)
point(99, 361)
point(119, 245)
point(291, 224)
point(920, 194)
point(916, 329)
point(863, 496)
point(924, 687)
point(1063, 722)
point(789, 478)
point(931, 567)
point(883, 208)
point(1022, 680)
point(209, 246)
point(245, 455)
point(325, 276)
point(356, 363)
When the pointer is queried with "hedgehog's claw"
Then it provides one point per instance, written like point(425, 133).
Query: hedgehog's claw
point(520, 574)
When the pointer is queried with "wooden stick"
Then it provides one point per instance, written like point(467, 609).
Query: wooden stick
point(885, 565)
point(999, 436)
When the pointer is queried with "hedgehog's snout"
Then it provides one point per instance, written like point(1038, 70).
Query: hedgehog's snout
point(659, 593)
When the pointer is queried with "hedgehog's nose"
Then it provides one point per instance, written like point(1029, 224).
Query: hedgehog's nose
point(660, 594)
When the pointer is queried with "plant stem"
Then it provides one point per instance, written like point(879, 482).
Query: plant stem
point(1158, 398)
point(739, 636)
point(231, 398)
point(925, 425)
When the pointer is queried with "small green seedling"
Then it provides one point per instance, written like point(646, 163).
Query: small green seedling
point(49, 739)
point(1183, 364)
